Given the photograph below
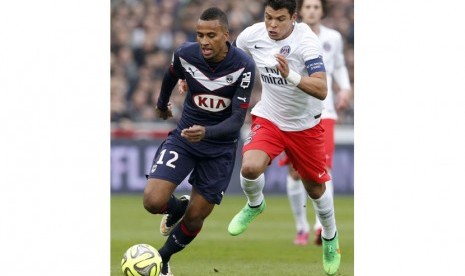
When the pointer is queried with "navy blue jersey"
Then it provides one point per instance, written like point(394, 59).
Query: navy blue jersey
point(218, 94)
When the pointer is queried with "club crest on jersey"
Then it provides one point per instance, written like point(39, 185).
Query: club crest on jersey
point(211, 103)
point(285, 50)
point(229, 79)
point(326, 46)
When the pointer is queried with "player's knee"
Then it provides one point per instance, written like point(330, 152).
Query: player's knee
point(315, 190)
point(251, 170)
point(153, 204)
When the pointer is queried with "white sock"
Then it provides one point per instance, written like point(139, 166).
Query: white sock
point(329, 188)
point(298, 200)
point(253, 189)
point(324, 208)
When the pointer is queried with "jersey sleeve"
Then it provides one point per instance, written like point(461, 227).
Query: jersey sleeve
point(340, 74)
point(312, 53)
point(170, 79)
point(311, 46)
point(240, 105)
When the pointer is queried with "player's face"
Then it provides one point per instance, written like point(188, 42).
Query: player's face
point(311, 11)
point(279, 23)
point(212, 38)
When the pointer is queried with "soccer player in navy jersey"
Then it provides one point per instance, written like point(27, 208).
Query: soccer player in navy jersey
point(220, 80)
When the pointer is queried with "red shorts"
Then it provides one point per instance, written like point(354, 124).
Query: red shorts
point(305, 149)
point(328, 125)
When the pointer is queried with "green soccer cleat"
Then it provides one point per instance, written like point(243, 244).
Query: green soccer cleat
point(242, 219)
point(331, 255)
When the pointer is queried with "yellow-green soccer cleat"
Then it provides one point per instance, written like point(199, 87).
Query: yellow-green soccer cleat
point(331, 255)
point(242, 219)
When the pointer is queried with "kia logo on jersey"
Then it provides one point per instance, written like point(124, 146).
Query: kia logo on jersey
point(211, 102)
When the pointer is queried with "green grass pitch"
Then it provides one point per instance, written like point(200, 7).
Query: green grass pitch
point(266, 248)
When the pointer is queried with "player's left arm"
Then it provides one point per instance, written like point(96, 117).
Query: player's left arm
point(341, 77)
point(314, 84)
point(232, 124)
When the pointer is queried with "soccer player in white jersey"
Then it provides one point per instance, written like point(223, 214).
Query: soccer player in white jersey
point(311, 12)
point(287, 118)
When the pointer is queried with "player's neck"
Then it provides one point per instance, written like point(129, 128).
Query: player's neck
point(315, 28)
point(288, 33)
point(221, 56)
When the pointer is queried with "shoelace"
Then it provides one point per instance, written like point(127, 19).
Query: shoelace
point(169, 223)
point(331, 251)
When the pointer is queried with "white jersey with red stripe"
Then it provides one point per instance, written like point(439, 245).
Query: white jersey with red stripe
point(333, 57)
point(282, 103)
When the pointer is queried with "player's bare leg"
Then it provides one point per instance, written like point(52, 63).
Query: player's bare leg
point(324, 208)
point(254, 163)
point(157, 194)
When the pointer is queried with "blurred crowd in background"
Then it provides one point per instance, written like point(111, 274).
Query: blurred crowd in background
point(144, 34)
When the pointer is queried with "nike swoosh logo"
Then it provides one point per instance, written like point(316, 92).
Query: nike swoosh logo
point(242, 99)
point(258, 47)
point(321, 174)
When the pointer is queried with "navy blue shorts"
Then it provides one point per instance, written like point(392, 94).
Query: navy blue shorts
point(210, 165)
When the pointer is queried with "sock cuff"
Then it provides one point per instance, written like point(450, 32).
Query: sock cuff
point(246, 179)
point(335, 233)
point(186, 231)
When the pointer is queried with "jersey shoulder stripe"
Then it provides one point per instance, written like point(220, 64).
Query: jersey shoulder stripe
point(210, 84)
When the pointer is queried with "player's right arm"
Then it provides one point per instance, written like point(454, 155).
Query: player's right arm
point(170, 79)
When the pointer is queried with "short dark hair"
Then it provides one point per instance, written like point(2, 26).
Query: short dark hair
point(290, 5)
point(324, 6)
point(214, 13)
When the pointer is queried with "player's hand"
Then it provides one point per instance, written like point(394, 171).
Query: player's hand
point(282, 65)
point(193, 134)
point(182, 86)
point(164, 114)
point(342, 100)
